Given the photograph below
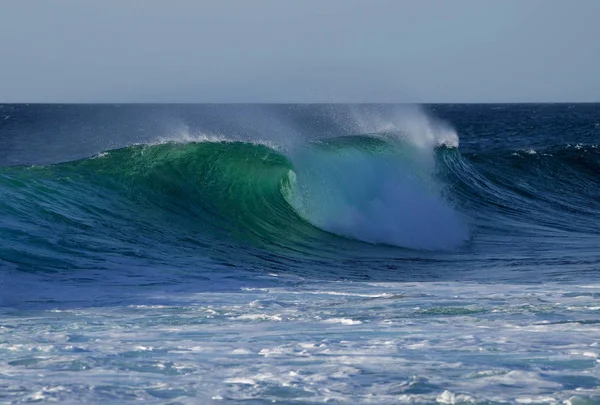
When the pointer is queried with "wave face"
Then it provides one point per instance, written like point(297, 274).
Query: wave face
point(323, 191)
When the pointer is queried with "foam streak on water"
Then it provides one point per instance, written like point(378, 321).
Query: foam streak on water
point(307, 343)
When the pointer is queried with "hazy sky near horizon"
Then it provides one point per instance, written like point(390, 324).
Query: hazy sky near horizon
point(300, 51)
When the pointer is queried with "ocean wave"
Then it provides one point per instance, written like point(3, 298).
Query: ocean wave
point(403, 187)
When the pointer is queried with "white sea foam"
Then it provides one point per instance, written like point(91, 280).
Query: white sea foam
point(164, 346)
point(343, 321)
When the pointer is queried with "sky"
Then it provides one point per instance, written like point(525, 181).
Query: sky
point(401, 51)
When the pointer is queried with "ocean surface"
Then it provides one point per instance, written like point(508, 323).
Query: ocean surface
point(300, 254)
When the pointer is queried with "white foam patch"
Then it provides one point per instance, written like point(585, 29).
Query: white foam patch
point(428, 347)
point(259, 317)
point(343, 321)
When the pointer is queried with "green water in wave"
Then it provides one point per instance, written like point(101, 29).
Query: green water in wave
point(224, 200)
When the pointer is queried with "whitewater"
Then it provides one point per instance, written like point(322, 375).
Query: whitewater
point(300, 254)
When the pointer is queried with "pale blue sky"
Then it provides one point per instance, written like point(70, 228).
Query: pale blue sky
point(299, 51)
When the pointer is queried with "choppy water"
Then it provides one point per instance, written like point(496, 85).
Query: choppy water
point(300, 253)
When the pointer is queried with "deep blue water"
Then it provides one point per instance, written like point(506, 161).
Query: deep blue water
point(300, 253)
